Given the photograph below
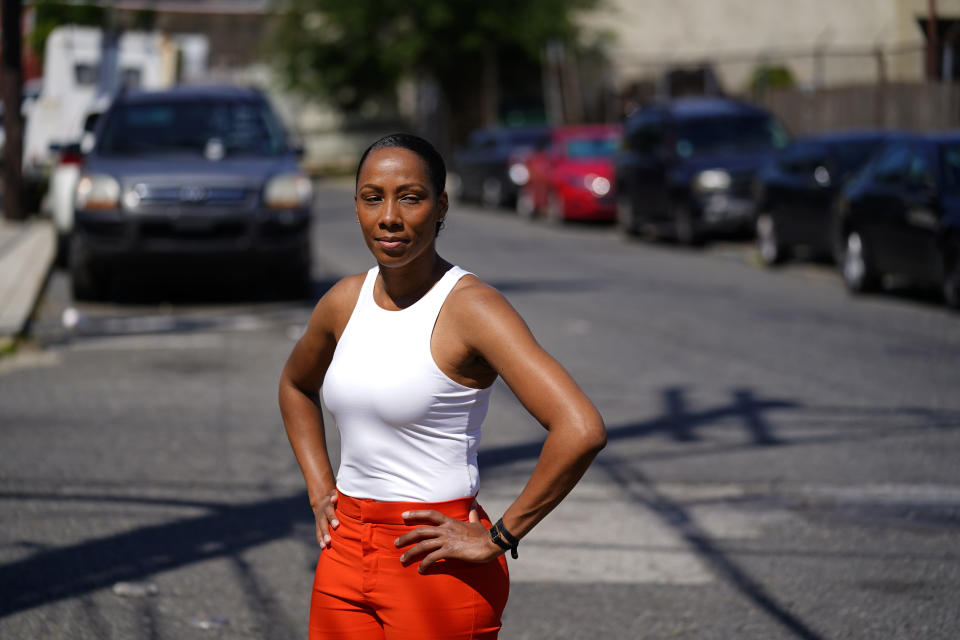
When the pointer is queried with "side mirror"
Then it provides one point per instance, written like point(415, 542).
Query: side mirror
point(821, 175)
point(87, 142)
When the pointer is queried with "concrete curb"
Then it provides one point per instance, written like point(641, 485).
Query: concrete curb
point(27, 252)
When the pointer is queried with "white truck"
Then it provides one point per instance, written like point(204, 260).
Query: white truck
point(83, 67)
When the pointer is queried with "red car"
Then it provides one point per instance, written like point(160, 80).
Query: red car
point(572, 178)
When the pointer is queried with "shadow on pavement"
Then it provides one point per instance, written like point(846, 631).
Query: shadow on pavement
point(55, 574)
point(215, 286)
point(50, 575)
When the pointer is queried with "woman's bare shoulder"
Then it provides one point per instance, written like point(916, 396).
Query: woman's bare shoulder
point(333, 309)
point(473, 301)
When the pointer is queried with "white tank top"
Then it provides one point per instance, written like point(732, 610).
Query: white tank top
point(408, 432)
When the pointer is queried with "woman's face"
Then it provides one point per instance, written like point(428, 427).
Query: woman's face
point(397, 207)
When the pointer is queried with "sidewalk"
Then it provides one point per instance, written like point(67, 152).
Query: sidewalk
point(27, 252)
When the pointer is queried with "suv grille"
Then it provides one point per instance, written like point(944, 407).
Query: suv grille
point(192, 195)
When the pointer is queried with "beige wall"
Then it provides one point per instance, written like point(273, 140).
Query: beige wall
point(651, 35)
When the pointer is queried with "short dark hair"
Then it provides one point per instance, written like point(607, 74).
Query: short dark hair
point(436, 169)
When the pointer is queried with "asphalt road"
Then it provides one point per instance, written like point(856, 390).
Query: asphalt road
point(782, 458)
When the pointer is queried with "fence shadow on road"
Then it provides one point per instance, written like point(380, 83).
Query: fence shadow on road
point(684, 426)
point(51, 575)
point(677, 422)
point(215, 286)
point(227, 530)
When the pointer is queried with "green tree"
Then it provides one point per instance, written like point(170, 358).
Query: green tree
point(766, 77)
point(50, 14)
point(355, 51)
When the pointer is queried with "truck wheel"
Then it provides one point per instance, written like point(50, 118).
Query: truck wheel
point(525, 205)
point(491, 192)
point(625, 218)
point(772, 252)
point(555, 214)
point(858, 274)
point(684, 227)
point(951, 283)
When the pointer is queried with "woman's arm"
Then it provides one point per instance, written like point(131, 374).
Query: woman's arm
point(492, 330)
point(299, 398)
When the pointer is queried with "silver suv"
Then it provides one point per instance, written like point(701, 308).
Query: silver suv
point(187, 180)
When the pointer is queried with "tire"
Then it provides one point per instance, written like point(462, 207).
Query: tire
point(491, 192)
point(858, 274)
point(526, 207)
point(625, 218)
point(951, 283)
point(772, 251)
point(455, 186)
point(298, 285)
point(684, 228)
point(554, 213)
point(85, 283)
point(63, 250)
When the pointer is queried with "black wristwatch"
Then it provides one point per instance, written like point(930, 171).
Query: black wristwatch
point(504, 539)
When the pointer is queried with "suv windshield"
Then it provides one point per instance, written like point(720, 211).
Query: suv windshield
point(741, 133)
point(591, 147)
point(237, 127)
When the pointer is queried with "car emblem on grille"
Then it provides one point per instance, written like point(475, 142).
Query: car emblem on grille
point(193, 193)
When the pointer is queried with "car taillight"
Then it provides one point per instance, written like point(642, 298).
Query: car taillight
point(71, 158)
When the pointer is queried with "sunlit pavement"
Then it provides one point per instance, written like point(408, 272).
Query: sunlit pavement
point(781, 459)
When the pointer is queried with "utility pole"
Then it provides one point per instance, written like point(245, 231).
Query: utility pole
point(932, 40)
point(11, 79)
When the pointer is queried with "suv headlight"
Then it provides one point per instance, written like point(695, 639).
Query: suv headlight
point(97, 191)
point(711, 180)
point(288, 191)
point(519, 174)
point(597, 185)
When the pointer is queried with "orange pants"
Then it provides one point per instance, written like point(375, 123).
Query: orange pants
point(362, 592)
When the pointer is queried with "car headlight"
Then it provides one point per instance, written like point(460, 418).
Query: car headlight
point(597, 185)
point(288, 191)
point(97, 191)
point(711, 180)
point(519, 173)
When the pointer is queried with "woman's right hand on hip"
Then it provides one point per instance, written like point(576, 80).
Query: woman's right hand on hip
point(325, 515)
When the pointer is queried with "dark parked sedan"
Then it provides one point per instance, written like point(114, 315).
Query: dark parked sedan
point(899, 218)
point(688, 165)
point(189, 179)
point(795, 192)
point(490, 168)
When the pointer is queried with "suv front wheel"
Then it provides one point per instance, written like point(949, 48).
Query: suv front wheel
point(951, 281)
point(772, 252)
point(685, 227)
point(858, 274)
point(85, 283)
point(625, 218)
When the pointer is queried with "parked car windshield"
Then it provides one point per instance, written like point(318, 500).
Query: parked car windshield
point(241, 127)
point(591, 148)
point(526, 139)
point(733, 133)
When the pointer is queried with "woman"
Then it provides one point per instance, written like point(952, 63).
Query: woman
point(406, 355)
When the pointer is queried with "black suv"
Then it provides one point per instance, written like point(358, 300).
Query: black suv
point(688, 164)
point(487, 168)
point(899, 218)
point(186, 180)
